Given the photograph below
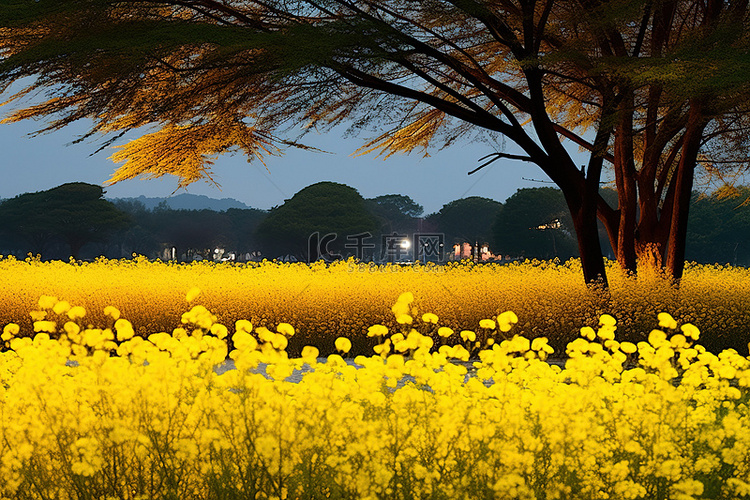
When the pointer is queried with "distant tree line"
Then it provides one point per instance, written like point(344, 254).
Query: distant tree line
point(75, 220)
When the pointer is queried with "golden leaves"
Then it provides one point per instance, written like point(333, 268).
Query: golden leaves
point(407, 138)
point(187, 151)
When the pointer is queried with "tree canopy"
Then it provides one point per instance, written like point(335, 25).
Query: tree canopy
point(467, 219)
point(75, 212)
point(323, 208)
point(395, 213)
point(535, 223)
point(650, 89)
point(719, 230)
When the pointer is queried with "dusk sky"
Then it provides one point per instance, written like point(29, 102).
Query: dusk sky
point(43, 162)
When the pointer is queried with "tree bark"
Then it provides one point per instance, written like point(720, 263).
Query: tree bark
point(628, 195)
point(584, 214)
point(675, 254)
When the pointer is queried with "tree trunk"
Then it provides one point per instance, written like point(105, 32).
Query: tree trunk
point(587, 234)
point(675, 254)
point(625, 178)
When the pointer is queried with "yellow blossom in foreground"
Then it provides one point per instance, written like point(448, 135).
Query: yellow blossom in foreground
point(506, 320)
point(444, 331)
point(310, 354)
point(428, 422)
point(430, 318)
point(666, 321)
point(45, 326)
point(588, 333)
point(690, 331)
point(124, 329)
point(112, 312)
point(343, 344)
point(469, 335)
point(487, 323)
point(10, 330)
point(47, 302)
point(76, 312)
point(61, 307)
point(377, 331)
point(285, 329)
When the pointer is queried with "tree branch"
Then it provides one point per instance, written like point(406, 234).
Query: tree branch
point(497, 156)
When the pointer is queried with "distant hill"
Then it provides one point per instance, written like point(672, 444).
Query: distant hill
point(186, 201)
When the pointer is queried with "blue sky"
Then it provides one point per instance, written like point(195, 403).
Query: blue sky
point(42, 162)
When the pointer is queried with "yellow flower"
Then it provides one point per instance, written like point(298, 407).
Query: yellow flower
point(607, 320)
point(430, 318)
point(469, 335)
point(657, 338)
point(76, 312)
point(47, 302)
point(124, 329)
point(444, 331)
point(244, 341)
point(285, 329)
point(383, 349)
point(678, 341)
point(666, 321)
point(243, 325)
point(343, 344)
point(377, 331)
point(279, 342)
point(507, 320)
point(61, 307)
point(264, 334)
point(588, 333)
point(539, 343)
point(112, 312)
point(487, 323)
point(38, 315)
point(310, 354)
point(72, 329)
point(219, 330)
point(192, 294)
point(404, 319)
point(628, 347)
point(690, 330)
point(10, 330)
point(45, 326)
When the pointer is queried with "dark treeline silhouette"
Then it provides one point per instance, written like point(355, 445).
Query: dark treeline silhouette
point(75, 220)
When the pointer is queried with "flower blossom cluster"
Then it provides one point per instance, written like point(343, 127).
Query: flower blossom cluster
point(477, 412)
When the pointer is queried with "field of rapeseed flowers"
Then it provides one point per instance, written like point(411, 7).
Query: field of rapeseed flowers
point(345, 298)
point(126, 402)
point(95, 413)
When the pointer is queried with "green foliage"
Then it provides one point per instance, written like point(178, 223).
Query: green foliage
point(467, 219)
point(719, 227)
point(325, 207)
point(535, 223)
point(74, 212)
point(395, 213)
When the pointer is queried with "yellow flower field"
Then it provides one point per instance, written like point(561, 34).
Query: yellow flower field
point(345, 298)
point(101, 413)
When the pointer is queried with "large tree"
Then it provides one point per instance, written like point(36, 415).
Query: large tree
point(648, 87)
point(75, 213)
point(336, 212)
point(467, 220)
point(395, 213)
